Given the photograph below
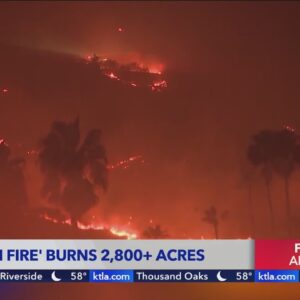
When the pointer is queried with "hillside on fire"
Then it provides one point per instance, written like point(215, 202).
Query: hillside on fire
point(93, 146)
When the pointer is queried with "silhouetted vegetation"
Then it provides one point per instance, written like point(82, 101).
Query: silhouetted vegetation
point(276, 152)
point(72, 170)
point(212, 217)
point(247, 181)
point(154, 232)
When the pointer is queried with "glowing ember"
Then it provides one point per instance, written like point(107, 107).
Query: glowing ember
point(90, 227)
point(2, 142)
point(289, 128)
point(155, 70)
point(114, 230)
point(124, 164)
point(112, 76)
point(159, 85)
point(53, 220)
point(129, 222)
point(120, 29)
point(32, 152)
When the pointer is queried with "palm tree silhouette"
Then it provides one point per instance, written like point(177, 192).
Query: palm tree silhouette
point(212, 217)
point(73, 171)
point(154, 232)
point(247, 181)
point(260, 153)
point(276, 151)
point(286, 162)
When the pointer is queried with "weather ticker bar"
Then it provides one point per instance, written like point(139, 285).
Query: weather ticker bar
point(130, 261)
point(154, 276)
point(129, 276)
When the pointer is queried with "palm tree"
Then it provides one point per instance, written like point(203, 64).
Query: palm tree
point(212, 217)
point(73, 171)
point(260, 153)
point(277, 151)
point(286, 161)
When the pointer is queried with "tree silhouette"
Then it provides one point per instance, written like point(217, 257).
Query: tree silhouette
point(73, 171)
point(212, 217)
point(154, 232)
point(247, 181)
point(286, 161)
point(276, 151)
point(261, 153)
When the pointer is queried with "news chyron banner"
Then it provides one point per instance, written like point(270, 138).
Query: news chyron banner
point(133, 261)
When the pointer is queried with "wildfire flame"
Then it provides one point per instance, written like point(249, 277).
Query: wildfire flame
point(124, 164)
point(112, 229)
point(159, 85)
point(2, 142)
point(114, 71)
point(111, 75)
point(155, 69)
point(115, 230)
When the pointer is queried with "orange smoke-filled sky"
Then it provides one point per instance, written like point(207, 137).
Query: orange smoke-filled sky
point(231, 69)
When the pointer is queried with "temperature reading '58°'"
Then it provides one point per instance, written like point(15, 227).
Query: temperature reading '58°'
point(78, 276)
point(243, 276)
